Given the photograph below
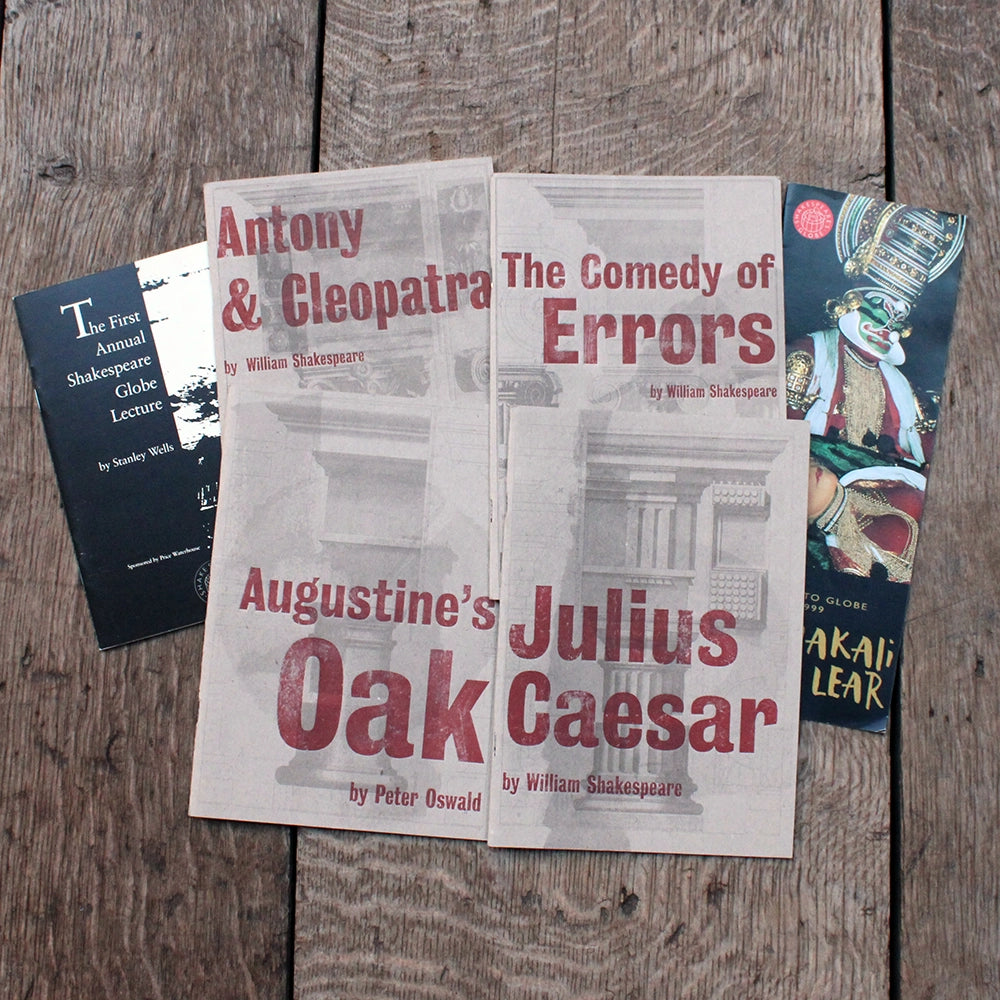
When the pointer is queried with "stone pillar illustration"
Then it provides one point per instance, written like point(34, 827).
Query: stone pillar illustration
point(375, 453)
point(665, 527)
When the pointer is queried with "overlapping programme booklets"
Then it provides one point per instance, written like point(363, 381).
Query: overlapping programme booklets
point(659, 294)
point(350, 641)
point(649, 559)
point(349, 673)
point(513, 535)
point(650, 628)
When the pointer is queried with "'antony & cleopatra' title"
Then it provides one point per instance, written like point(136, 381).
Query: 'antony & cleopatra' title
point(311, 298)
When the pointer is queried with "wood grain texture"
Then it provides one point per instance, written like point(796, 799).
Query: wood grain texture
point(113, 114)
point(946, 108)
point(418, 918)
point(608, 87)
point(437, 80)
point(793, 89)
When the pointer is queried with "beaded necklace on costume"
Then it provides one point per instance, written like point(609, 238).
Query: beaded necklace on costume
point(847, 516)
point(864, 397)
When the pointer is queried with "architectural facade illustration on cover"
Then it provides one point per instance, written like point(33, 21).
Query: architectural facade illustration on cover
point(645, 294)
point(349, 618)
point(668, 527)
point(650, 634)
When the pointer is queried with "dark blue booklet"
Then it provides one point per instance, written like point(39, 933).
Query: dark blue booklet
point(123, 365)
point(870, 292)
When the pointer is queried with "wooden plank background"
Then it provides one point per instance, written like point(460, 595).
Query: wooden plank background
point(112, 116)
point(945, 112)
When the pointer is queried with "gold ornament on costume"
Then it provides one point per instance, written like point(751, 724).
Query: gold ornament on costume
point(848, 302)
point(850, 513)
point(926, 421)
point(864, 398)
point(799, 366)
point(898, 248)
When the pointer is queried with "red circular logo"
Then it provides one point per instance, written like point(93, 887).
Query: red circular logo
point(813, 219)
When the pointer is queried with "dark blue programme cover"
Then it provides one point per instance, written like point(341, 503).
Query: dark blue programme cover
point(870, 291)
point(124, 372)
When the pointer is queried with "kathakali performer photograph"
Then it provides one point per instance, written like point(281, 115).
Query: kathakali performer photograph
point(846, 380)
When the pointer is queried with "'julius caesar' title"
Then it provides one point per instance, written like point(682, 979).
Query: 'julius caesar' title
point(624, 721)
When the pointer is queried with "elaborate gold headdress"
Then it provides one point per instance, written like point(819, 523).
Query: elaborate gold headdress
point(898, 248)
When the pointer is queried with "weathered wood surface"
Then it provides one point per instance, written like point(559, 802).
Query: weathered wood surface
point(112, 116)
point(946, 112)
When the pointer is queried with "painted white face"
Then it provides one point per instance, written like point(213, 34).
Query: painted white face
point(874, 326)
